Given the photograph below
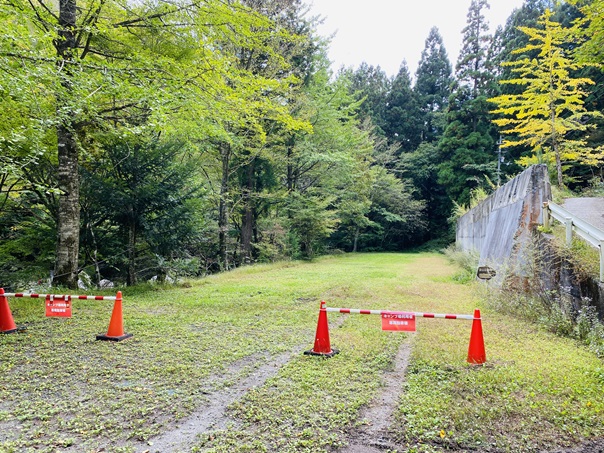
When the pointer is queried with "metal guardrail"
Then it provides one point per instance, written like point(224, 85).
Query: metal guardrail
point(585, 230)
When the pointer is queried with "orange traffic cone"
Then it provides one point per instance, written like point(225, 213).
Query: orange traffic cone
point(476, 352)
point(116, 325)
point(7, 324)
point(322, 346)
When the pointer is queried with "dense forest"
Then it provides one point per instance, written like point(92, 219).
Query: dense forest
point(158, 139)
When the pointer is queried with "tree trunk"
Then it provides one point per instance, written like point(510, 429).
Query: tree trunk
point(131, 280)
point(554, 138)
point(356, 239)
point(94, 253)
point(558, 166)
point(68, 217)
point(223, 217)
point(247, 222)
point(291, 174)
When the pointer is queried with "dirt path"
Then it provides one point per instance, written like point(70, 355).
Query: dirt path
point(373, 437)
point(212, 415)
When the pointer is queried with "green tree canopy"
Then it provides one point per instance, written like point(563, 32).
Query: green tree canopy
point(97, 66)
point(550, 111)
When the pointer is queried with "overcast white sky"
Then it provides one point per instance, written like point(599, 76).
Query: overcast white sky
point(386, 32)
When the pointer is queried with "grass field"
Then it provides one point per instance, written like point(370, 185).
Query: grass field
point(62, 391)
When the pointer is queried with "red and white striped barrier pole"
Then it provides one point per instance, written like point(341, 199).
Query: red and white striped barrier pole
point(59, 296)
point(397, 320)
point(414, 313)
point(116, 324)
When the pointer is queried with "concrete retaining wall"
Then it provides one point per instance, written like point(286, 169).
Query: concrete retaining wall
point(500, 227)
point(502, 230)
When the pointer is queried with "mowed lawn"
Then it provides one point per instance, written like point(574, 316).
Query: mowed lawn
point(63, 391)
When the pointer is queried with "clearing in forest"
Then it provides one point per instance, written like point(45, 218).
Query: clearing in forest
point(218, 366)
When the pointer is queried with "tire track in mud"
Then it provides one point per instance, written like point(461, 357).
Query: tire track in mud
point(211, 415)
point(374, 437)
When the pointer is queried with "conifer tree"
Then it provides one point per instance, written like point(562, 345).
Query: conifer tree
point(512, 38)
point(420, 167)
point(472, 69)
point(433, 85)
point(468, 143)
point(372, 84)
point(403, 123)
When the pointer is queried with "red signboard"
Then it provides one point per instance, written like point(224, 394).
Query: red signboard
point(399, 321)
point(58, 306)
